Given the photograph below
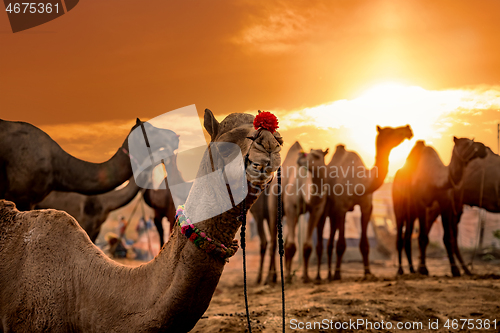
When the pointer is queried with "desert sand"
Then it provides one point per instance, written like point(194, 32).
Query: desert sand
point(409, 299)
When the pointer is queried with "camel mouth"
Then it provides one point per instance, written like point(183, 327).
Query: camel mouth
point(258, 175)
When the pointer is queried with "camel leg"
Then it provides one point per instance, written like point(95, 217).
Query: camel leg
point(341, 243)
point(329, 249)
point(157, 219)
point(273, 230)
point(271, 275)
point(263, 246)
point(399, 243)
point(312, 224)
point(290, 247)
point(171, 216)
point(319, 245)
point(456, 249)
point(423, 241)
point(407, 242)
point(449, 242)
point(364, 246)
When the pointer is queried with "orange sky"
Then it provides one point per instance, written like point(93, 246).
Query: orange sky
point(109, 61)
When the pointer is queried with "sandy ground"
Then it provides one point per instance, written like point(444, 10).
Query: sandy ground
point(410, 299)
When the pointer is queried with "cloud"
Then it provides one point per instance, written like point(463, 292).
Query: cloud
point(279, 26)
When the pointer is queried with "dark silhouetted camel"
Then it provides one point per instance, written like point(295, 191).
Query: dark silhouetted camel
point(481, 184)
point(351, 183)
point(404, 210)
point(431, 182)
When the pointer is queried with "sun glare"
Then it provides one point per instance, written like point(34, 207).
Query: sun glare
point(430, 114)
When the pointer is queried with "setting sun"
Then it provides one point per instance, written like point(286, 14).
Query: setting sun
point(434, 116)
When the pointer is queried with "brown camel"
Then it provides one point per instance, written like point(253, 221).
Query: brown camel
point(49, 285)
point(90, 210)
point(289, 167)
point(260, 212)
point(32, 165)
point(431, 182)
point(351, 183)
point(304, 193)
point(404, 211)
point(481, 184)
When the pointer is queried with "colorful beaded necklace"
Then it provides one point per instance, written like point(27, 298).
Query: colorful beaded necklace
point(201, 239)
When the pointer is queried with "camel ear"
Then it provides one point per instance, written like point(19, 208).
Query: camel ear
point(211, 124)
point(326, 151)
point(138, 121)
point(455, 139)
point(378, 128)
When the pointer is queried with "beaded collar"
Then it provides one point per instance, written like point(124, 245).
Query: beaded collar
point(201, 239)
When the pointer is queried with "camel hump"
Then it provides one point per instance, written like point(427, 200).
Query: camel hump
point(7, 211)
point(296, 146)
point(7, 207)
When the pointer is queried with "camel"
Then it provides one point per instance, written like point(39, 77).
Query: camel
point(289, 167)
point(305, 193)
point(351, 183)
point(162, 200)
point(260, 212)
point(432, 182)
point(481, 184)
point(32, 165)
point(90, 210)
point(404, 212)
point(53, 286)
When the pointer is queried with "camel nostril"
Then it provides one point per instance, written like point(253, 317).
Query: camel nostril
point(257, 166)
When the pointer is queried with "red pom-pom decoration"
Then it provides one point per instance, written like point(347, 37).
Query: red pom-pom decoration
point(266, 120)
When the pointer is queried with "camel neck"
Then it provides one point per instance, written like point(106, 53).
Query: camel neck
point(75, 175)
point(379, 171)
point(185, 277)
point(119, 198)
point(455, 172)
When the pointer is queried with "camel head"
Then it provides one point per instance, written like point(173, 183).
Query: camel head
point(389, 138)
point(157, 137)
point(262, 146)
point(466, 150)
point(148, 146)
point(313, 160)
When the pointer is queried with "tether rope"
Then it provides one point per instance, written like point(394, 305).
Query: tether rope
point(243, 246)
point(280, 244)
